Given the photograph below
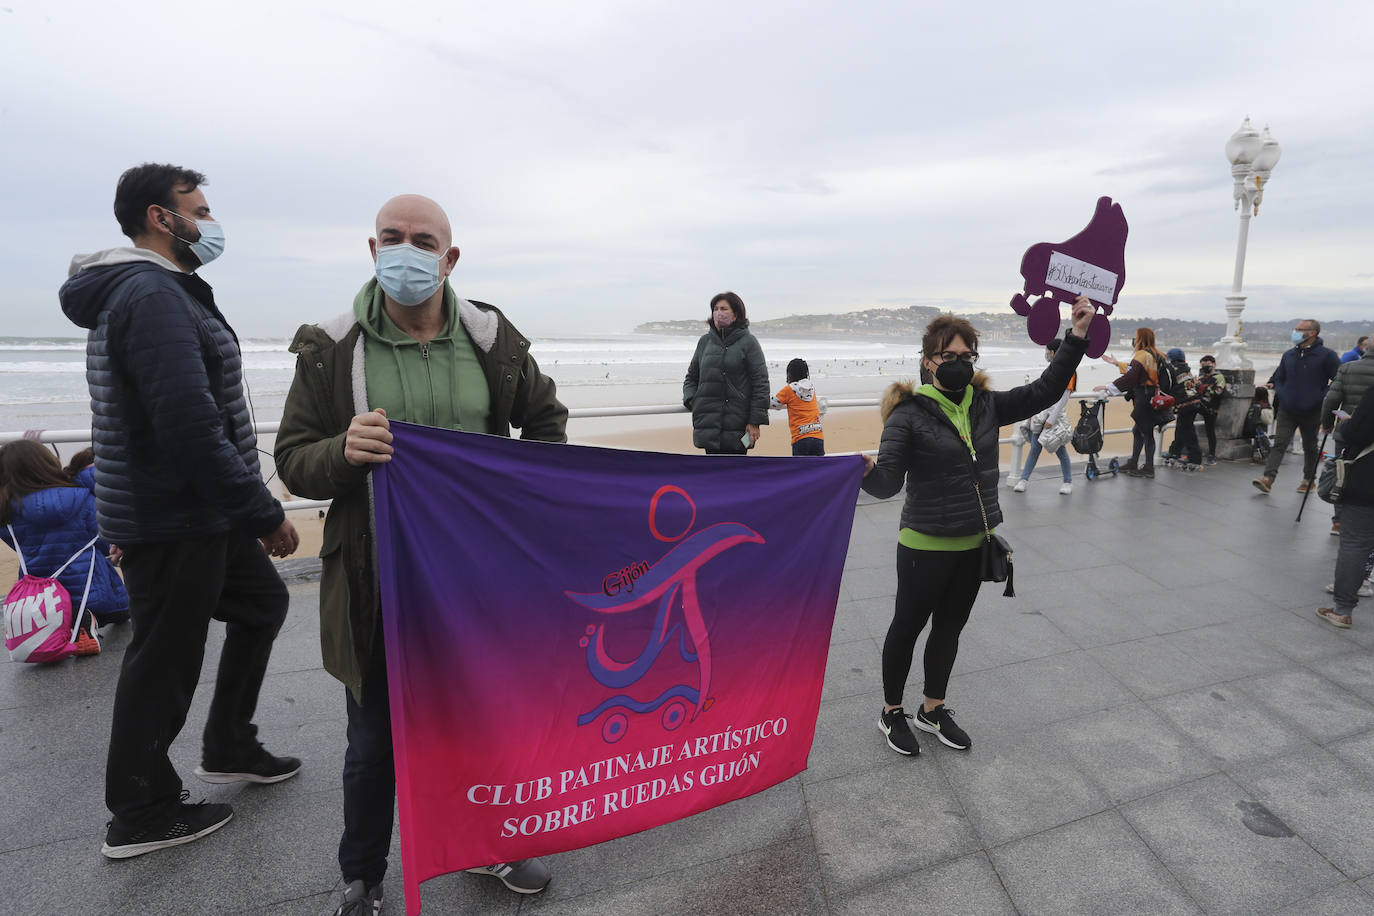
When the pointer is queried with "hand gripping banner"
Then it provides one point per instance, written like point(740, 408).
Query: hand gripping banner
point(583, 643)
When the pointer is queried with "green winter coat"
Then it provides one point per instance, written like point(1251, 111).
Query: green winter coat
point(329, 389)
point(726, 389)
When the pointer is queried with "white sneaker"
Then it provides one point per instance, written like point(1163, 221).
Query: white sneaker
point(1364, 592)
point(1020, 487)
point(1065, 489)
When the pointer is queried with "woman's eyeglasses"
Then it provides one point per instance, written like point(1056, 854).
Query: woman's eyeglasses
point(949, 356)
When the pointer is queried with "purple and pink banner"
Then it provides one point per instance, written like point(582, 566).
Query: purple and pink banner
point(583, 643)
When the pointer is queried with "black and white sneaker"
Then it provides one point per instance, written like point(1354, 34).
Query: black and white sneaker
point(182, 824)
point(940, 723)
point(262, 768)
point(899, 735)
point(526, 876)
point(360, 900)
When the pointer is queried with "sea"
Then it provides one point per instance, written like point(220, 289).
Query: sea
point(43, 379)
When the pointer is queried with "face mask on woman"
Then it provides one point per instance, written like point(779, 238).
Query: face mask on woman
point(954, 375)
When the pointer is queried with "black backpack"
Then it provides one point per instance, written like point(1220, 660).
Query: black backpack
point(1167, 374)
point(1087, 435)
point(1252, 421)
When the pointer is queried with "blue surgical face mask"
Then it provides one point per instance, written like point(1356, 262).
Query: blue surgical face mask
point(407, 274)
point(1297, 337)
point(210, 245)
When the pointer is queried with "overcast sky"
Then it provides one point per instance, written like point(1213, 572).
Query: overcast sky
point(607, 163)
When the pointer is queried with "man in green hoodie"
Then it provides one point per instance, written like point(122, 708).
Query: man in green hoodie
point(410, 350)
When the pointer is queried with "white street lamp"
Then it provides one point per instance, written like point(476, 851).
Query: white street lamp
point(1252, 156)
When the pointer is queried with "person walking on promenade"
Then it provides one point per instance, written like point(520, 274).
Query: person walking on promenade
point(1299, 384)
point(804, 410)
point(407, 333)
point(1049, 421)
point(1345, 394)
point(941, 440)
point(726, 387)
point(178, 488)
point(1357, 351)
point(1138, 382)
point(1357, 517)
point(1211, 387)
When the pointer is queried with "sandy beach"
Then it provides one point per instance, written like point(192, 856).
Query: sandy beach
point(849, 429)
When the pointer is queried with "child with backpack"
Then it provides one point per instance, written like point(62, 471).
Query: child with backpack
point(1256, 425)
point(49, 520)
point(804, 410)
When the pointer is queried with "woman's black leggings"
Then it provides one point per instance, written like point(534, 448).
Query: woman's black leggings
point(1143, 430)
point(935, 585)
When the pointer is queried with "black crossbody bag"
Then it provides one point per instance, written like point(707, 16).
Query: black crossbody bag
point(996, 565)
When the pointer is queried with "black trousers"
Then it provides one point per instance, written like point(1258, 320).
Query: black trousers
point(369, 776)
point(1209, 423)
point(175, 588)
point(939, 586)
point(1185, 436)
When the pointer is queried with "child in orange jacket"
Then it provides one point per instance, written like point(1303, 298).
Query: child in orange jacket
point(804, 410)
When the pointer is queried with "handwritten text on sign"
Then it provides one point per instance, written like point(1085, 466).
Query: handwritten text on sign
point(1077, 276)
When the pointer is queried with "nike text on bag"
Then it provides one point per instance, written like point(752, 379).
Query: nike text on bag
point(40, 624)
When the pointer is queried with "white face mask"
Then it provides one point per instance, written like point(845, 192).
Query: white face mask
point(407, 274)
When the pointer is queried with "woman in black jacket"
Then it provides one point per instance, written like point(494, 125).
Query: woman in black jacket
point(726, 387)
point(1139, 381)
point(941, 439)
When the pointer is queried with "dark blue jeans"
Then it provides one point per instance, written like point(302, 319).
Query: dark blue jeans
point(369, 776)
point(809, 446)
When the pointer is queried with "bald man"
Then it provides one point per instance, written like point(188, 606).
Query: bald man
point(408, 332)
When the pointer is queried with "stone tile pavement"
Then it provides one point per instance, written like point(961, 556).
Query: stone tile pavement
point(1160, 724)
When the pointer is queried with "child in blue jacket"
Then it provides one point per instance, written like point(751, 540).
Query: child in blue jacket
point(52, 517)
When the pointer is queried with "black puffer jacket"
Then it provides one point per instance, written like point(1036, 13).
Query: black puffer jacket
point(726, 389)
point(921, 446)
point(175, 453)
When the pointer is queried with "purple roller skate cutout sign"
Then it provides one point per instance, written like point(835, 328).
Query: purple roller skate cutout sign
point(1091, 263)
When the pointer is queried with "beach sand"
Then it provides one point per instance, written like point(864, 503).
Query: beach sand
point(847, 429)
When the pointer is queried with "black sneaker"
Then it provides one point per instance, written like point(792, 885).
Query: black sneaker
point(183, 824)
point(261, 768)
point(899, 736)
point(940, 723)
point(360, 900)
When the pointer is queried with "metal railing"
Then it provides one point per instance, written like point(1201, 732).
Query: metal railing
point(83, 436)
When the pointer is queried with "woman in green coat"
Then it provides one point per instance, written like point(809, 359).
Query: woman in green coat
point(726, 387)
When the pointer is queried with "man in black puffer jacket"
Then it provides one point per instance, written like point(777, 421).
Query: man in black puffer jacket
point(178, 488)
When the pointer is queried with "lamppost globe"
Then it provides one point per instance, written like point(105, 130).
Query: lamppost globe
point(1252, 156)
point(1268, 155)
point(1244, 144)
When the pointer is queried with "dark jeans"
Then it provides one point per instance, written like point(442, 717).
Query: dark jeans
point(1352, 557)
point(175, 588)
point(1185, 436)
point(1286, 424)
point(939, 586)
point(810, 446)
point(369, 776)
point(1209, 423)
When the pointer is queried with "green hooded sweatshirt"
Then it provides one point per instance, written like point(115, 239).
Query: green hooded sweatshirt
point(439, 383)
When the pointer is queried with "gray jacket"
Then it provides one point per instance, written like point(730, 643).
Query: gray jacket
point(1351, 382)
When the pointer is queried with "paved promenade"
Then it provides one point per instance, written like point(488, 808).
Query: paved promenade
point(1160, 723)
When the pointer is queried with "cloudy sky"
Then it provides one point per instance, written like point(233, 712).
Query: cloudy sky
point(606, 163)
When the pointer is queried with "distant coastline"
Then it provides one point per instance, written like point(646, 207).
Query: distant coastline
point(907, 324)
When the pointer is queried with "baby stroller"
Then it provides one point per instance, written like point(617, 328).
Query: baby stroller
point(1087, 437)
